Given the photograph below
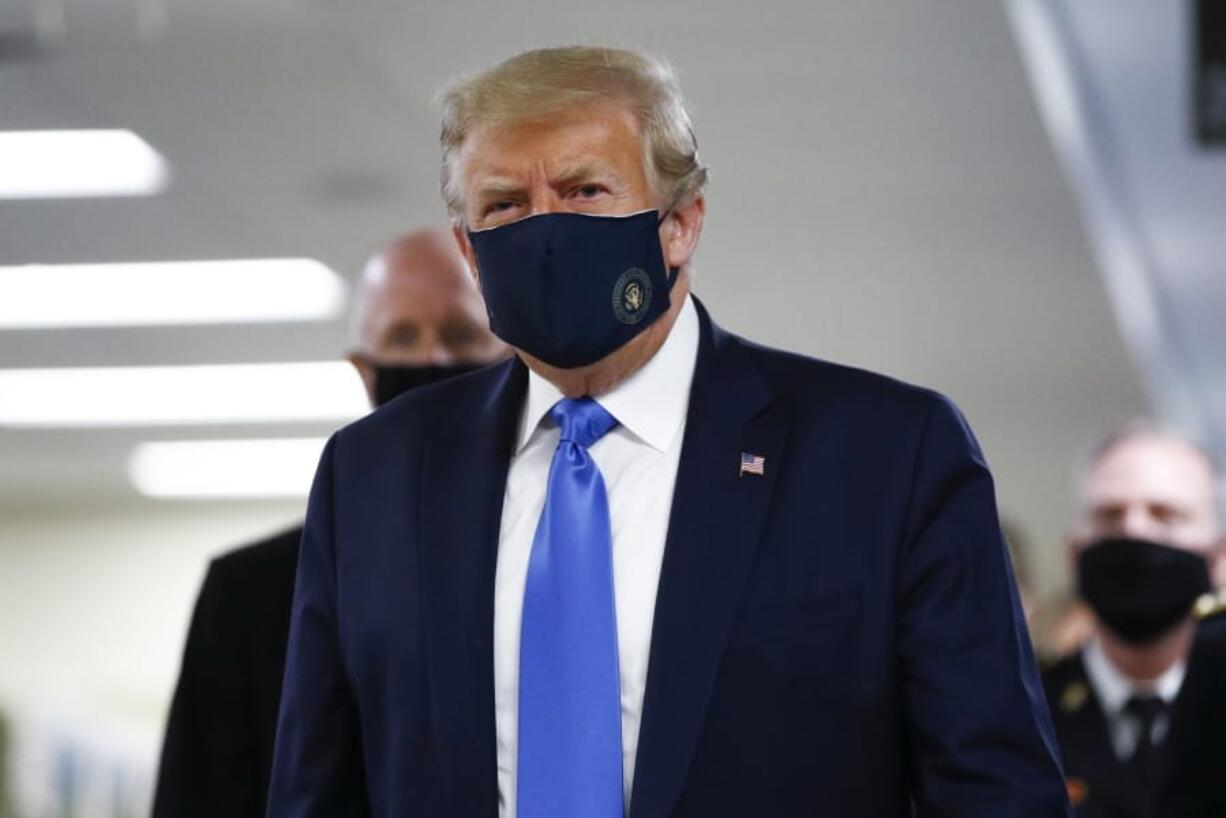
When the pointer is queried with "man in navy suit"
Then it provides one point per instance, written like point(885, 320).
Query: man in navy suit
point(646, 568)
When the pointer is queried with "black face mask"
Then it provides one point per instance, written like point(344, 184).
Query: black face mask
point(1140, 590)
point(393, 380)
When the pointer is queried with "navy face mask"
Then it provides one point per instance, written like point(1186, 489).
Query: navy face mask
point(569, 288)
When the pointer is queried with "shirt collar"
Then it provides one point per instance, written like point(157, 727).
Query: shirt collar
point(1114, 688)
point(650, 404)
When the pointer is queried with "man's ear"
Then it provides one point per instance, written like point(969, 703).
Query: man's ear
point(466, 250)
point(1072, 551)
point(681, 230)
point(366, 372)
point(1217, 562)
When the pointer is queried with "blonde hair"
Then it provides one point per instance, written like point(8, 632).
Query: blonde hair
point(538, 83)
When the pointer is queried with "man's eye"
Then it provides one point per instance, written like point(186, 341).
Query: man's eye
point(1167, 514)
point(588, 191)
point(460, 336)
point(498, 207)
point(402, 335)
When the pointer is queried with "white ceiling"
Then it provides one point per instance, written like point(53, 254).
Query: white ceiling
point(883, 193)
point(1115, 78)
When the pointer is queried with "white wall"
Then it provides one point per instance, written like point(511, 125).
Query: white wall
point(94, 606)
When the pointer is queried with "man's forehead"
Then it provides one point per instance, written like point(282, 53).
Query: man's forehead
point(599, 135)
point(418, 307)
point(1150, 467)
point(424, 284)
point(414, 282)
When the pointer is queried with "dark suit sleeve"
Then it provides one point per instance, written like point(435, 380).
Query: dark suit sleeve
point(317, 767)
point(980, 741)
point(209, 760)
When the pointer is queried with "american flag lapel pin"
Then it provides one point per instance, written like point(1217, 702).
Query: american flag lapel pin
point(752, 464)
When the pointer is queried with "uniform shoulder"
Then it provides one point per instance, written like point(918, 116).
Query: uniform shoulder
point(1211, 619)
point(1063, 670)
point(1066, 684)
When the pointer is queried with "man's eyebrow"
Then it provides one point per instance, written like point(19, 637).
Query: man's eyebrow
point(497, 186)
point(460, 320)
point(401, 327)
point(585, 172)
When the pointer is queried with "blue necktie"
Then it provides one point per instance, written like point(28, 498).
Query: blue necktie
point(570, 748)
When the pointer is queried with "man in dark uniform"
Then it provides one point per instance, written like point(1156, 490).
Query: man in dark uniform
point(1196, 786)
point(1145, 544)
point(416, 317)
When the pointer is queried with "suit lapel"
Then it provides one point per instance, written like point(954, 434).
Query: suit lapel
point(463, 480)
point(714, 527)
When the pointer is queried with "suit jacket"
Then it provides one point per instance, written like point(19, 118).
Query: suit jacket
point(840, 636)
point(1196, 786)
point(1100, 784)
point(219, 739)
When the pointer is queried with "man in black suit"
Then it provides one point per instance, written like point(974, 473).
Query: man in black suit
point(1146, 541)
point(416, 317)
point(1196, 786)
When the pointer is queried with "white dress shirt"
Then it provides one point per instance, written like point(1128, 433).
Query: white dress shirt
point(638, 460)
point(1114, 689)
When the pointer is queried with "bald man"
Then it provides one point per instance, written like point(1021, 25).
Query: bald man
point(1146, 543)
point(416, 317)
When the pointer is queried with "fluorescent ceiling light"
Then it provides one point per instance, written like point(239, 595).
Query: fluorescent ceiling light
point(216, 469)
point(69, 164)
point(165, 293)
point(168, 395)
